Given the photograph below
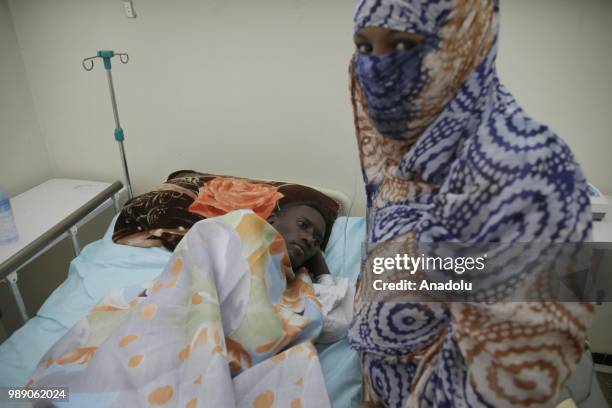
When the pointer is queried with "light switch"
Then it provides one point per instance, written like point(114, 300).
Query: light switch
point(129, 9)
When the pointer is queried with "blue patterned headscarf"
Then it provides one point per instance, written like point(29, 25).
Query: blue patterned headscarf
point(467, 163)
point(448, 155)
point(405, 91)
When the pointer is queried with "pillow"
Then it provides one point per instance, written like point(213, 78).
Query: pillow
point(343, 251)
point(163, 216)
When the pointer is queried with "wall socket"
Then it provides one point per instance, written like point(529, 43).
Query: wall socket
point(129, 9)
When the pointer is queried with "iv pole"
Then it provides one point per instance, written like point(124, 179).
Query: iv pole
point(88, 64)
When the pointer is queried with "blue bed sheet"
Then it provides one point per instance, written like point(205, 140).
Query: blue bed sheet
point(103, 266)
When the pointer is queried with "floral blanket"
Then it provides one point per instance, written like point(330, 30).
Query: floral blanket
point(227, 323)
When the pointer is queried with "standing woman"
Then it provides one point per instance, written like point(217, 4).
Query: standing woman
point(449, 156)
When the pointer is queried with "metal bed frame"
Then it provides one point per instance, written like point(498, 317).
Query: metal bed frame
point(68, 227)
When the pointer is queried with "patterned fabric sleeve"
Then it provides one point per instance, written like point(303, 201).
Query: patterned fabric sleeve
point(433, 354)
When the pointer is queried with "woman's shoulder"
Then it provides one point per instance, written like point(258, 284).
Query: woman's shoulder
point(514, 145)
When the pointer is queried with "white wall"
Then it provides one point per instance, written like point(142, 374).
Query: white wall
point(23, 152)
point(256, 89)
point(260, 88)
point(556, 58)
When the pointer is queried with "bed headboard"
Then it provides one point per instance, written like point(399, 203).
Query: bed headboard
point(339, 196)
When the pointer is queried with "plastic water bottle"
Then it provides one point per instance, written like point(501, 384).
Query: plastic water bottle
point(8, 229)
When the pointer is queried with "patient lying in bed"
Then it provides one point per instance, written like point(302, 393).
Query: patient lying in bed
point(231, 320)
point(303, 227)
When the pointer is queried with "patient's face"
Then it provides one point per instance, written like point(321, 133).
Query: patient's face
point(380, 41)
point(303, 229)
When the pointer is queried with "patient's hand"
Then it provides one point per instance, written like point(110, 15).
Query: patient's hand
point(317, 265)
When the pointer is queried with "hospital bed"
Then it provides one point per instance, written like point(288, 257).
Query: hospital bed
point(104, 265)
